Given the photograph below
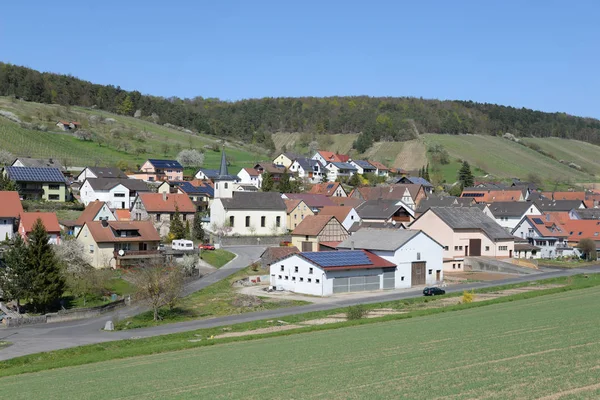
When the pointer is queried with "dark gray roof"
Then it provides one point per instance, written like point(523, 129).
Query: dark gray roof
point(379, 239)
point(109, 183)
point(378, 209)
point(587, 213)
point(364, 164)
point(210, 173)
point(40, 163)
point(291, 156)
point(509, 208)
point(224, 172)
point(443, 201)
point(358, 225)
point(255, 201)
point(308, 163)
point(107, 172)
point(471, 218)
point(557, 205)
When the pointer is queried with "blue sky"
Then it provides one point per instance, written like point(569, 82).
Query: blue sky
point(537, 54)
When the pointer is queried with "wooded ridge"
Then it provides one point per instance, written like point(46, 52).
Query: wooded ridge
point(382, 118)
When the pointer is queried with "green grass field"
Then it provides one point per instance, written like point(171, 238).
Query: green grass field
point(545, 347)
point(217, 258)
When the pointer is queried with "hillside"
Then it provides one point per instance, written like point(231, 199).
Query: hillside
point(113, 138)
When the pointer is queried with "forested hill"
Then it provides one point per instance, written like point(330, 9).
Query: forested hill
point(384, 118)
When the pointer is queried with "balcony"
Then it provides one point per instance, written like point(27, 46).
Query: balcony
point(136, 254)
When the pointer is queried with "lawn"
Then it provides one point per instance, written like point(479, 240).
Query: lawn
point(217, 258)
point(544, 346)
point(567, 263)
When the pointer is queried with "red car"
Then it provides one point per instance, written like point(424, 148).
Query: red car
point(206, 246)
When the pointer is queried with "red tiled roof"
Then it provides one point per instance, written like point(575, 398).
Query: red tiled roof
point(123, 215)
point(347, 201)
point(339, 212)
point(578, 229)
point(49, 220)
point(252, 172)
point(107, 234)
point(312, 225)
point(90, 212)
point(490, 196)
point(565, 195)
point(550, 226)
point(161, 202)
point(332, 245)
point(333, 157)
point(312, 200)
point(378, 165)
point(10, 205)
point(343, 157)
point(328, 189)
point(290, 204)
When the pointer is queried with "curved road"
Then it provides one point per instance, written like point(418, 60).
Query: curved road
point(39, 338)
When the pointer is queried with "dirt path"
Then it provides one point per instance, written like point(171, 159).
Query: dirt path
point(413, 154)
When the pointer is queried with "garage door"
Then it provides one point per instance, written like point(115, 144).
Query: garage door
point(389, 278)
point(356, 284)
point(418, 273)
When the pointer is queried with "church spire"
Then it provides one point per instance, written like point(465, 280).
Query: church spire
point(223, 170)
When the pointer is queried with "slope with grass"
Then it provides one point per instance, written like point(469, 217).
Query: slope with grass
point(124, 139)
point(545, 346)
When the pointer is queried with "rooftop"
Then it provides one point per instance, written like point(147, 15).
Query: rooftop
point(90, 212)
point(40, 163)
point(381, 209)
point(327, 188)
point(49, 220)
point(471, 218)
point(106, 172)
point(345, 259)
point(312, 225)
point(110, 231)
point(254, 201)
point(35, 174)
point(157, 163)
point(379, 239)
point(10, 205)
point(509, 208)
point(312, 200)
point(109, 183)
point(167, 202)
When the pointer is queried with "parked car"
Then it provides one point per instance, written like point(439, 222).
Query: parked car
point(433, 291)
point(285, 244)
point(206, 246)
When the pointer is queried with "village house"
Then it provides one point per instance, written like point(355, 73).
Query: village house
point(585, 213)
point(416, 180)
point(491, 196)
point(204, 174)
point(250, 176)
point(160, 208)
point(410, 194)
point(363, 167)
point(319, 233)
point(200, 192)
point(385, 211)
point(465, 232)
point(579, 229)
point(544, 232)
point(38, 163)
point(94, 211)
point(442, 201)
point(307, 169)
point(417, 256)
point(286, 159)
point(314, 201)
point(346, 215)
point(339, 170)
point(332, 272)
point(509, 213)
point(329, 189)
point(36, 183)
point(154, 170)
point(100, 172)
point(325, 157)
point(380, 169)
point(116, 244)
point(276, 171)
point(10, 211)
point(116, 193)
point(28, 220)
point(296, 211)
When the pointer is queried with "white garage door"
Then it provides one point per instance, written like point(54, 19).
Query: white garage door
point(356, 284)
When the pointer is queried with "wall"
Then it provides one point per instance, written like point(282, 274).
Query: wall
point(252, 240)
point(103, 254)
point(293, 283)
point(297, 241)
point(239, 225)
point(351, 218)
point(6, 228)
point(283, 160)
point(331, 275)
point(61, 192)
point(297, 215)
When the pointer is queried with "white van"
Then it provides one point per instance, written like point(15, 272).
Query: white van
point(182, 245)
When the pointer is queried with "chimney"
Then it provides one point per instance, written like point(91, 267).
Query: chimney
point(352, 245)
point(105, 223)
point(164, 196)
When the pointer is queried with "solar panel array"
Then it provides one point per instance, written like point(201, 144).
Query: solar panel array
point(165, 163)
point(338, 258)
point(538, 221)
point(35, 174)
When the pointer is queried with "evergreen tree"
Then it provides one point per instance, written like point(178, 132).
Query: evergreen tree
point(126, 107)
point(197, 230)
point(176, 230)
point(284, 185)
point(267, 182)
point(46, 278)
point(426, 173)
point(15, 277)
point(188, 234)
point(7, 185)
point(363, 142)
point(465, 176)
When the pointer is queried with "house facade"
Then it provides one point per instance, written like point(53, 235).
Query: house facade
point(339, 170)
point(418, 257)
point(94, 211)
point(363, 167)
point(249, 176)
point(385, 211)
point(100, 172)
point(160, 209)
point(545, 232)
point(329, 189)
point(325, 157)
point(346, 215)
point(381, 170)
point(201, 193)
point(285, 159)
point(307, 169)
point(28, 220)
point(38, 183)
point(155, 170)
point(314, 231)
point(296, 210)
point(10, 212)
point(116, 193)
point(509, 214)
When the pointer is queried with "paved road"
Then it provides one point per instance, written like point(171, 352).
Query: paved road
point(28, 340)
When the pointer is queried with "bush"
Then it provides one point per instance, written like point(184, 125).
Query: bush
point(356, 312)
point(468, 297)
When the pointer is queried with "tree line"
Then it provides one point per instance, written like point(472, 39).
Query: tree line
point(378, 118)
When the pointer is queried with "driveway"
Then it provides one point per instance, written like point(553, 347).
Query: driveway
point(34, 339)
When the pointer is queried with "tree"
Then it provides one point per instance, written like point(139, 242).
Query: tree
point(197, 229)
point(176, 230)
point(6, 157)
point(268, 183)
point(158, 284)
point(354, 180)
point(190, 158)
point(363, 142)
point(284, 185)
point(47, 281)
point(426, 172)
point(188, 233)
point(7, 185)
point(126, 107)
point(588, 248)
point(456, 190)
point(465, 176)
point(15, 277)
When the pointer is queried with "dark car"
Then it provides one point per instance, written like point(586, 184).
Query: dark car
point(432, 291)
point(206, 246)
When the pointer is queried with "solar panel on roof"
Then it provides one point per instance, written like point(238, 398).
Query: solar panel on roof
point(338, 258)
point(538, 221)
point(330, 186)
point(35, 174)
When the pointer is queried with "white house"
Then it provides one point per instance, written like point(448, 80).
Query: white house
point(94, 211)
point(346, 215)
point(418, 257)
point(545, 232)
point(286, 159)
point(100, 172)
point(116, 193)
point(249, 176)
point(10, 211)
point(337, 170)
point(206, 174)
point(509, 213)
point(331, 272)
point(363, 167)
point(307, 168)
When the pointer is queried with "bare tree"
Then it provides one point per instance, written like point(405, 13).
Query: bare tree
point(221, 230)
point(84, 134)
point(158, 284)
point(190, 158)
point(6, 157)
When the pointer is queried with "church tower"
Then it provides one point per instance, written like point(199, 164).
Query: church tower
point(224, 182)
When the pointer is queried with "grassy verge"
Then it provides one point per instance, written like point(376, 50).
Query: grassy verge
point(567, 263)
point(217, 300)
point(180, 341)
point(217, 258)
point(116, 285)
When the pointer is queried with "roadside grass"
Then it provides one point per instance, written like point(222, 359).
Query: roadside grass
point(217, 300)
point(199, 338)
point(218, 257)
point(567, 263)
point(116, 284)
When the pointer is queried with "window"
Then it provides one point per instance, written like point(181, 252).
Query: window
point(418, 256)
point(295, 216)
point(263, 221)
point(231, 220)
point(430, 271)
point(455, 248)
point(287, 277)
point(309, 280)
point(402, 278)
point(216, 185)
point(310, 270)
point(54, 197)
point(487, 248)
point(502, 248)
point(460, 247)
point(247, 221)
point(317, 281)
point(278, 221)
point(295, 269)
point(279, 276)
point(91, 248)
point(226, 185)
point(184, 217)
point(458, 265)
point(119, 194)
point(158, 217)
point(171, 217)
point(281, 268)
point(454, 266)
point(293, 278)
point(446, 248)
point(54, 187)
point(301, 279)
point(306, 238)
